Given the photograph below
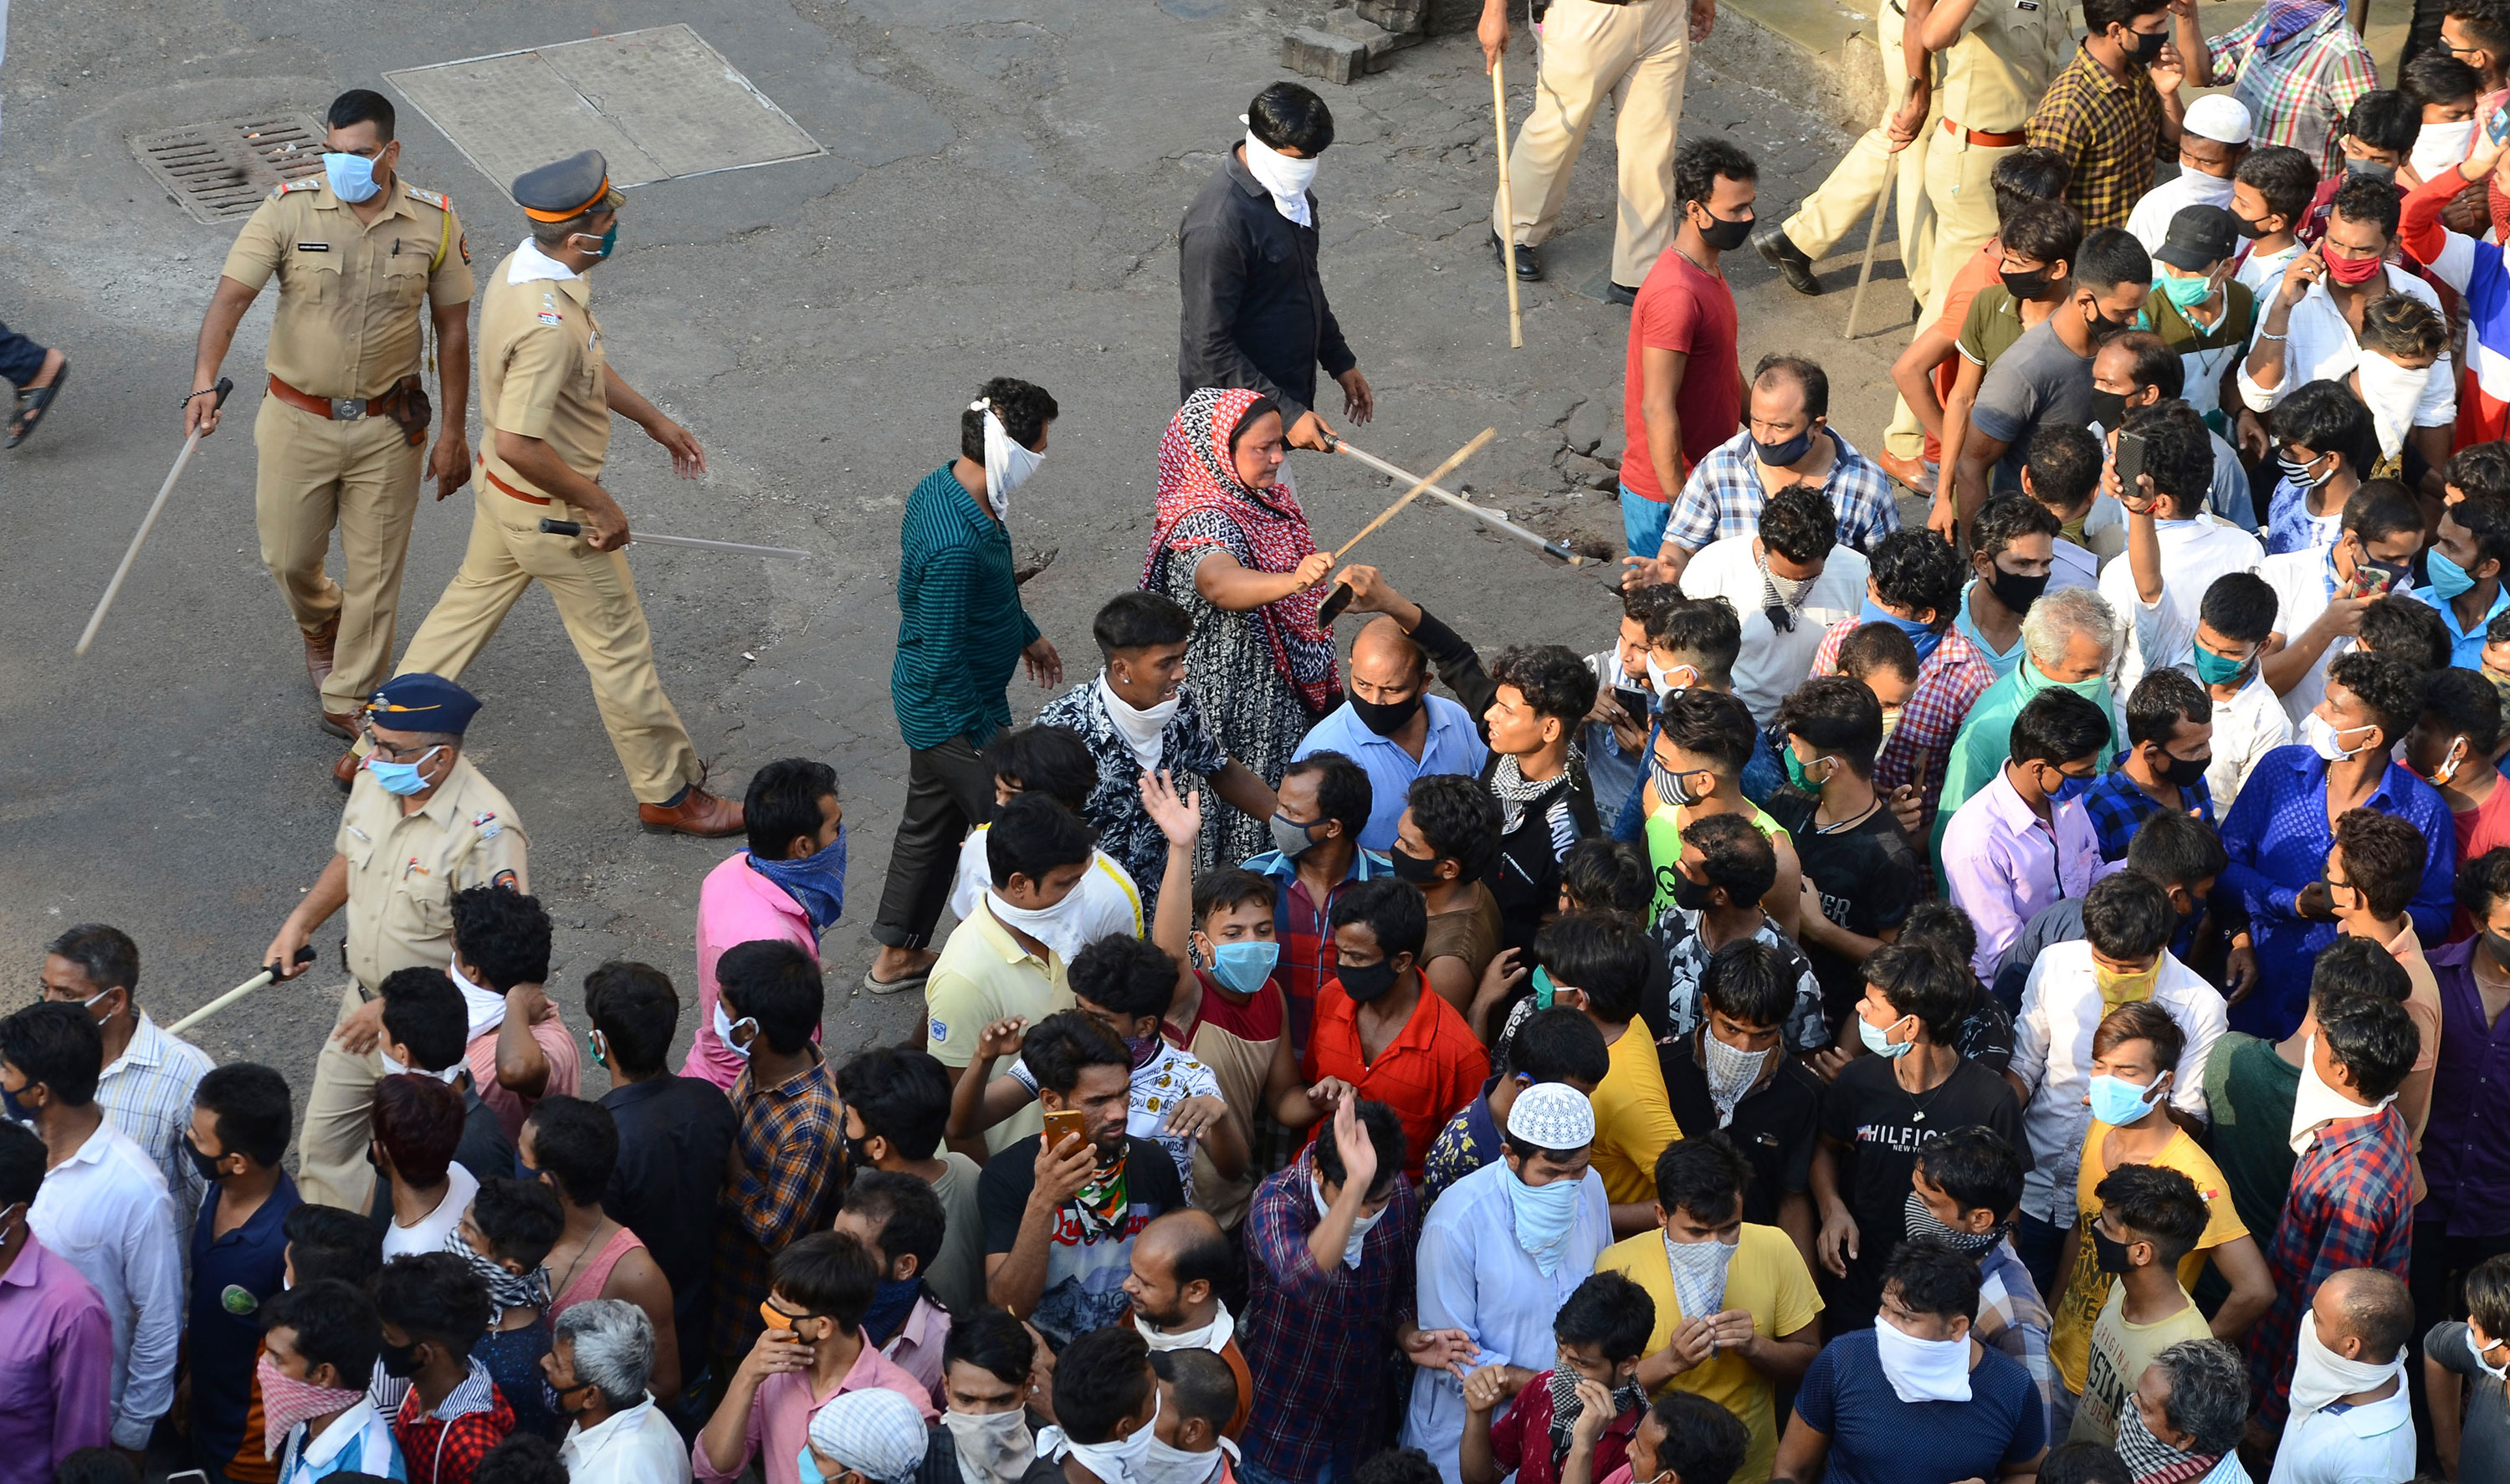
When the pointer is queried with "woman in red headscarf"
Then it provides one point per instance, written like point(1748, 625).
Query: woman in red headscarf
point(1232, 546)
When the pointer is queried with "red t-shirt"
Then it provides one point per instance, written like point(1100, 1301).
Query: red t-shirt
point(1433, 1067)
point(1682, 309)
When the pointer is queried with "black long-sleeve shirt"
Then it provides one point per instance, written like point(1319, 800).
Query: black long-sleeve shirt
point(1254, 313)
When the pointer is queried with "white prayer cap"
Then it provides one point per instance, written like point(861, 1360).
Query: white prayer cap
point(2219, 116)
point(1552, 1116)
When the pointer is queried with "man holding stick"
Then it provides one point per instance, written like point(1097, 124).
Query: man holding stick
point(546, 393)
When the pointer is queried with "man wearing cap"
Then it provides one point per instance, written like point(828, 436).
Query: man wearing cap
point(421, 824)
point(2204, 316)
point(1501, 1251)
point(546, 395)
point(364, 263)
point(2213, 140)
point(870, 1436)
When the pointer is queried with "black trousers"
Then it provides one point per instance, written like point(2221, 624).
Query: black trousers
point(949, 791)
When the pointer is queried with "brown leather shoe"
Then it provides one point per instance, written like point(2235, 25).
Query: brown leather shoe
point(345, 771)
point(699, 813)
point(342, 724)
point(318, 651)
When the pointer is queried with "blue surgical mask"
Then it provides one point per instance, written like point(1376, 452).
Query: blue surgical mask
point(1876, 1042)
point(2448, 577)
point(2117, 1102)
point(2072, 789)
point(809, 1467)
point(352, 177)
point(401, 778)
point(1243, 967)
point(1925, 637)
point(818, 883)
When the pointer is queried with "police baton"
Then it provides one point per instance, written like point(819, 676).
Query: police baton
point(96, 619)
point(261, 981)
point(693, 542)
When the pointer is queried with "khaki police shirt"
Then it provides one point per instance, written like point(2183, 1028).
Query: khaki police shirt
point(542, 368)
point(350, 321)
point(403, 869)
point(2009, 52)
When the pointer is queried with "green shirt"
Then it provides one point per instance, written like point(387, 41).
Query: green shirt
point(1985, 743)
point(2249, 1093)
point(959, 624)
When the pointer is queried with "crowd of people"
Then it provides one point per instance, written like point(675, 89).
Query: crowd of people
point(2016, 997)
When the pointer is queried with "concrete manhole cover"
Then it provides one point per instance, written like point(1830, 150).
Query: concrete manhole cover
point(221, 170)
point(658, 104)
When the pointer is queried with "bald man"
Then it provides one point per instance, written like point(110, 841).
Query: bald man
point(2351, 1418)
point(1179, 1261)
point(1392, 727)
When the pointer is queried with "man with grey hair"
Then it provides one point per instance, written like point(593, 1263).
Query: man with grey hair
point(598, 1364)
point(2070, 640)
point(546, 393)
point(2190, 1408)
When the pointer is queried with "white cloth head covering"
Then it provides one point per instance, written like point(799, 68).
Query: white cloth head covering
point(2221, 117)
point(1552, 1116)
point(876, 1432)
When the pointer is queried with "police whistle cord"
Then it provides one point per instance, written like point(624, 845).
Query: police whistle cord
point(263, 980)
point(95, 620)
point(693, 542)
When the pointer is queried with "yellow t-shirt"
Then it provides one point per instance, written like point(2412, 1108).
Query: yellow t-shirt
point(2119, 1352)
point(2087, 1287)
point(1633, 1119)
point(1766, 1276)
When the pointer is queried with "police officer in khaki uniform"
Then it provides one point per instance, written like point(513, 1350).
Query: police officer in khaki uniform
point(1994, 60)
point(364, 262)
point(547, 396)
point(421, 824)
point(1823, 219)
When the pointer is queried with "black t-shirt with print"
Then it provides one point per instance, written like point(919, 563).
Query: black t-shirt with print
point(1867, 878)
point(1884, 1125)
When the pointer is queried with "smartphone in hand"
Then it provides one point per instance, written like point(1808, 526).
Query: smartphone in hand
point(1065, 1123)
point(2130, 463)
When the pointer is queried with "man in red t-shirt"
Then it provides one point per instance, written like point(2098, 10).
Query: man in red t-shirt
point(1683, 393)
point(1380, 1030)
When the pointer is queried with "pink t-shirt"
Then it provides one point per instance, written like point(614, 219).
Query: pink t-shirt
point(780, 1412)
point(737, 906)
point(1682, 309)
point(565, 1079)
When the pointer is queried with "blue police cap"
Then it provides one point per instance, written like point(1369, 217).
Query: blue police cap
point(422, 703)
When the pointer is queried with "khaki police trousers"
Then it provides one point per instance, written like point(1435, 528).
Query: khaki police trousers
point(332, 1166)
point(596, 599)
point(1637, 55)
point(360, 476)
point(1826, 217)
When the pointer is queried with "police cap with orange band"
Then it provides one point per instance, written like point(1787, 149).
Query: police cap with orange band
point(568, 189)
point(421, 702)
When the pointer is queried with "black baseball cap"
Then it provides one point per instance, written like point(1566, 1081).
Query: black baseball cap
point(2199, 237)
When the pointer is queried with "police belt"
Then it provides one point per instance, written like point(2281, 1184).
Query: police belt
point(405, 403)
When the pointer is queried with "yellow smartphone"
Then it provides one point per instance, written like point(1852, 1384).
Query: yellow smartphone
point(1068, 1124)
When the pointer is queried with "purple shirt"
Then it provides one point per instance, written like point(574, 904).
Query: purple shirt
point(2004, 864)
point(2465, 1161)
point(55, 1366)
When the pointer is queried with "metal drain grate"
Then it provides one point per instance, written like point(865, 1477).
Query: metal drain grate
point(221, 172)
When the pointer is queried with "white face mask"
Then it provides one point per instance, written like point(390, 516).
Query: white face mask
point(393, 1068)
point(2481, 1347)
point(1286, 178)
point(1921, 1370)
point(2439, 146)
point(1007, 465)
point(995, 1447)
point(2392, 393)
point(2317, 1104)
point(725, 1025)
point(486, 1006)
point(1162, 1463)
point(1040, 923)
point(1207, 1337)
point(1700, 1273)
point(1141, 726)
point(1116, 1463)
point(1664, 679)
point(2327, 741)
point(1360, 1224)
point(2320, 1376)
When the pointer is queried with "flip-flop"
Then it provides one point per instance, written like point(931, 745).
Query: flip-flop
point(31, 406)
point(899, 986)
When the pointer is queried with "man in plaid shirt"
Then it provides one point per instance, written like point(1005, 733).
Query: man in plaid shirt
point(791, 1142)
point(2170, 736)
point(1329, 1247)
point(2298, 66)
point(1915, 585)
point(2351, 1203)
point(435, 1309)
point(2114, 108)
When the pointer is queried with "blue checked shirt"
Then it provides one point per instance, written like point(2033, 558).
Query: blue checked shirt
point(2118, 808)
point(1724, 496)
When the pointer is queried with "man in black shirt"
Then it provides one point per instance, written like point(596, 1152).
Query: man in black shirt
point(1254, 304)
point(425, 1026)
point(1882, 1106)
point(675, 1133)
point(1060, 1220)
point(1862, 873)
point(1732, 1075)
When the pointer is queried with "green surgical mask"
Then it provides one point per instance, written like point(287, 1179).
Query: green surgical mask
point(1796, 769)
point(2186, 294)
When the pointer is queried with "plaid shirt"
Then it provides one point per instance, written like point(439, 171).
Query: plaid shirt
point(1320, 1342)
point(1724, 496)
point(1950, 682)
point(2352, 1206)
point(2118, 808)
point(1303, 927)
point(147, 1094)
point(445, 1446)
point(2013, 1318)
point(2299, 93)
point(2109, 130)
point(792, 1175)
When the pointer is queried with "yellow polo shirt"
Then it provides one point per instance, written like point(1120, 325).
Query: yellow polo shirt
point(983, 975)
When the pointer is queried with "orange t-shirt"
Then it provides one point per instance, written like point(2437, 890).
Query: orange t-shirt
point(1976, 274)
point(1431, 1068)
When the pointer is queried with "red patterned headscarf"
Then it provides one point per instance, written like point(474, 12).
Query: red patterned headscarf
point(1198, 473)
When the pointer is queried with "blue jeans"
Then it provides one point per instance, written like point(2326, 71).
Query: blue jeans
point(1642, 522)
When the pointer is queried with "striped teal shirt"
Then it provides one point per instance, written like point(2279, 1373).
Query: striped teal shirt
point(959, 624)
